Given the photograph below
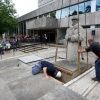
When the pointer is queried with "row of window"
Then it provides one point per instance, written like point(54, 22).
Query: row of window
point(73, 10)
point(88, 26)
point(70, 11)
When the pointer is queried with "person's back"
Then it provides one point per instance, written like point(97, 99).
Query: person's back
point(46, 63)
point(95, 47)
point(50, 67)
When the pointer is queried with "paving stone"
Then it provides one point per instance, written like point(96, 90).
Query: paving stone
point(8, 63)
point(30, 58)
point(62, 93)
point(32, 87)
point(12, 74)
point(5, 93)
point(46, 55)
point(1, 81)
point(62, 55)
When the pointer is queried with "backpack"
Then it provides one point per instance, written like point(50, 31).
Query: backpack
point(36, 68)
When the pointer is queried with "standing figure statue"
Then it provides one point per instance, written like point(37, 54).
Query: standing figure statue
point(73, 34)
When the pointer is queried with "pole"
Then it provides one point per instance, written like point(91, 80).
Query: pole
point(68, 27)
point(56, 46)
point(57, 33)
point(78, 41)
point(66, 49)
point(86, 35)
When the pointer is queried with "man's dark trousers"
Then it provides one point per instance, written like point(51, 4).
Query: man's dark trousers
point(97, 69)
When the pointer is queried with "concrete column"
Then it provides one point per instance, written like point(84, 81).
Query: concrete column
point(33, 32)
point(23, 28)
point(58, 35)
point(26, 31)
point(93, 5)
point(18, 30)
point(26, 28)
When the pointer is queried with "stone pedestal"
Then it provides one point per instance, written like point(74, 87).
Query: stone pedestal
point(72, 54)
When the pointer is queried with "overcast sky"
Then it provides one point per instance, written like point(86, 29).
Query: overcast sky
point(25, 6)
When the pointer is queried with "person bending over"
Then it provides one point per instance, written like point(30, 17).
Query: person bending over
point(95, 48)
point(50, 70)
point(47, 68)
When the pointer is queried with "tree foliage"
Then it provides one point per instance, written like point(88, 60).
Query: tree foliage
point(53, 14)
point(8, 21)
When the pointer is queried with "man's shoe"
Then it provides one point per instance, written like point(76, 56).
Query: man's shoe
point(95, 79)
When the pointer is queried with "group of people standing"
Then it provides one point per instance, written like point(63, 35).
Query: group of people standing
point(7, 44)
point(35, 38)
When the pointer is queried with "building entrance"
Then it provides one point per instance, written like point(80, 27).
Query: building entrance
point(51, 35)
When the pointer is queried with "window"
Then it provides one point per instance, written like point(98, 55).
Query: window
point(47, 15)
point(58, 14)
point(53, 14)
point(97, 26)
point(73, 10)
point(86, 26)
point(88, 6)
point(97, 5)
point(81, 8)
point(40, 16)
point(65, 12)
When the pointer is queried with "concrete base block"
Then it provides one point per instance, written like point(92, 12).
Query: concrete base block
point(61, 93)
point(30, 58)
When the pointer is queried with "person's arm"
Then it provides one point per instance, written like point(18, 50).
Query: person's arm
point(96, 57)
point(82, 51)
point(45, 73)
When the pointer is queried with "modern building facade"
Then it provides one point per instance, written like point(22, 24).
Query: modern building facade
point(57, 14)
point(42, 3)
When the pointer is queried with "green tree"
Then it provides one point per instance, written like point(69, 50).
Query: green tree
point(53, 14)
point(8, 20)
point(74, 13)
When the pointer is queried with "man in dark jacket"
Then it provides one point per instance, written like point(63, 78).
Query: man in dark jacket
point(95, 48)
point(48, 69)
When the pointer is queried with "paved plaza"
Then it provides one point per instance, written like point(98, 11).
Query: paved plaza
point(18, 83)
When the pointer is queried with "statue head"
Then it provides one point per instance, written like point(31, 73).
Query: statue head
point(74, 21)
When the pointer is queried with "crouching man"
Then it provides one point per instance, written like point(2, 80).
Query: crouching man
point(48, 69)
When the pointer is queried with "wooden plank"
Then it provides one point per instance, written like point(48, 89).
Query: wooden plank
point(64, 70)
